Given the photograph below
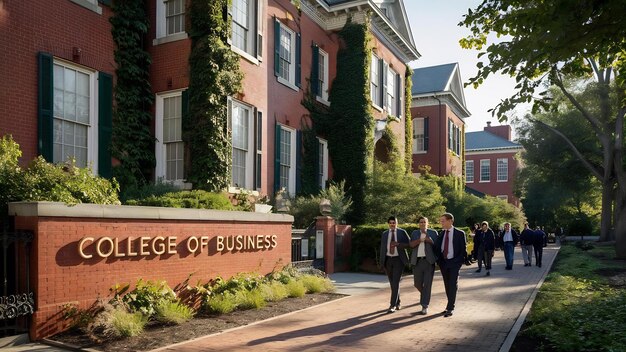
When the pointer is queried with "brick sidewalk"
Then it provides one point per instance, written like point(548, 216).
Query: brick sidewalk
point(486, 310)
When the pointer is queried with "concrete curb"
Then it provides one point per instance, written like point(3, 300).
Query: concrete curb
point(517, 326)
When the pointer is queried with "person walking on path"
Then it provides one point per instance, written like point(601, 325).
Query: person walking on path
point(423, 259)
point(509, 239)
point(488, 246)
point(452, 245)
point(393, 259)
point(538, 240)
point(479, 249)
point(526, 239)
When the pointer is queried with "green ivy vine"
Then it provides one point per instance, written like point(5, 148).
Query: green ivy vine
point(132, 141)
point(214, 76)
point(408, 121)
point(348, 124)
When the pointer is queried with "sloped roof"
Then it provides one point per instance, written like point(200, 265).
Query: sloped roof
point(474, 192)
point(336, 2)
point(432, 79)
point(483, 140)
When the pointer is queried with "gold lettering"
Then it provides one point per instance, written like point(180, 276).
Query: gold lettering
point(171, 245)
point(80, 248)
point(239, 245)
point(220, 243)
point(259, 242)
point(273, 241)
point(116, 247)
point(158, 247)
point(251, 242)
point(99, 247)
point(192, 241)
point(144, 244)
point(267, 242)
point(204, 242)
point(230, 243)
point(129, 247)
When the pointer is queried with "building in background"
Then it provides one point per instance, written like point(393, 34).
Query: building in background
point(438, 111)
point(492, 161)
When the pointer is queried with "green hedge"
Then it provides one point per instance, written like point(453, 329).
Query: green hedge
point(196, 199)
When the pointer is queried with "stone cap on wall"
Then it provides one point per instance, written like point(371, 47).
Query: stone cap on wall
point(58, 209)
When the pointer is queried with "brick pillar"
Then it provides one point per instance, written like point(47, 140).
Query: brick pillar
point(327, 224)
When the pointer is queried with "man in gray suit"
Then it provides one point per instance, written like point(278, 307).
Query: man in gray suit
point(423, 259)
point(393, 259)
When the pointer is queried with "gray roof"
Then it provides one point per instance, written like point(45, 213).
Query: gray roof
point(432, 79)
point(483, 140)
point(336, 2)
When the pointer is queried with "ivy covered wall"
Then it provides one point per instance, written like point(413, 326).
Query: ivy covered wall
point(214, 76)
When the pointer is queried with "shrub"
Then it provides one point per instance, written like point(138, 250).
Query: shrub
point(273, 291)
point(295, 288)
point(304, 210)
point(127, 324)
point(196, 199)
point(240, 282)
point(173, 312)
point(340, 203)
point(315, 284)
point(584, 245)
point(145, 296)
point(221, 303)
point(250, 299)
point(151, 189)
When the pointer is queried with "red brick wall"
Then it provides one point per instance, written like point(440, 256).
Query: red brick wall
point(55, 27)
point(494, 188)
point(59, 275)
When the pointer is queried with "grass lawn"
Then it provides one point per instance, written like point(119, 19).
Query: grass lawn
point(581, 305)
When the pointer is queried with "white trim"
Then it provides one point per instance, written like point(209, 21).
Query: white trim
point(480, 174)
point(161, 23)
point(245, 55)
point(251, 151)
point(170, 38)
point(506, 174)
point(292, 161)
point(291, 83)
point(503, 150)
point(503, 197)
point(323, 94)
point(324, 162)
point(473, 171)
point(160, 170)
point(90, 5)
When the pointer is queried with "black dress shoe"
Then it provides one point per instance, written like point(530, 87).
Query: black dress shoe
point(398, 307)
point(478, 270)
point(391, 309)
point(448, 313)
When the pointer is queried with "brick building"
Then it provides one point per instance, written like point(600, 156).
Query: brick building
point(438, 111)
point(491, 162)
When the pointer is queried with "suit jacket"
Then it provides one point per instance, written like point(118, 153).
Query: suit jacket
point(431, 255)
point(460, 249)
point(513, 233)
point(402, 238)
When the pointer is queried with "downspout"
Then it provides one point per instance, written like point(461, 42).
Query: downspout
point(440, 131)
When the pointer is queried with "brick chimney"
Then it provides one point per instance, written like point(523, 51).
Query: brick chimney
point(503, 131)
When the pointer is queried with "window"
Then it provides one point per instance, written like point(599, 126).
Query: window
point(454, 137)
point(170, 146)
point(246, 145)
point(89, 4)
point(485, 170)
point(170, 24)
point(322, 84)
point(391, 92)
point(287, 56)
point(322, 163)
point(259, 150)
point(73, 114)
point(502, 170)
point(469, 171)
point(375, 81)
point(420, 135)
point(287, 170)
point(246, 28)
point(503, 197)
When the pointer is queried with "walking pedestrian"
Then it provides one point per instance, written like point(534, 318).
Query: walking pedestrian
point(452, 245)
point(393, 259)
point(509, 240)
point(526, 239)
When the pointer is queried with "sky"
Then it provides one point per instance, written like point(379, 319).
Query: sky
point(436, 35)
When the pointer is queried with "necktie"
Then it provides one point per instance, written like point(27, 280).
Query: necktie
point(445, 245)
point(393, 239)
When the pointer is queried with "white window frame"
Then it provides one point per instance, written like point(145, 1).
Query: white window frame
point(322, 94)
point(503, 197)
point(488, 164)
point(252, 151)
point(391, 92)
point(255, 23)
point(160, 153)
point(161, 26)
point(375, 82)
point(502, 170)
point(89, 4)
point(469, 176)
point(292, 162)
point(416, 124)
point(291, 82)
point(92, 145)
point(324, 162)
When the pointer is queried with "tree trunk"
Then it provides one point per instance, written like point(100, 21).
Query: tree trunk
point(620, 229)
point(608, 194)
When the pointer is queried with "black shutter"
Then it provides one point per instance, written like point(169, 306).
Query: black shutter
point(398, 96)
point(45, 102)
point(298, 60)
point(277, 131)
point(426, 134)
point(105, 123)
point(298, 161)
point(315, 71)
point(276, 46)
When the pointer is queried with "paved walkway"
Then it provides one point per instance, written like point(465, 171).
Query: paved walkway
point(488, 315)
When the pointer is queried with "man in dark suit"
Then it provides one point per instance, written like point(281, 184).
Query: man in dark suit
point(452, 246)
point(393, 259)
point(423, 259)
point(538, 240)
point(510, 238)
